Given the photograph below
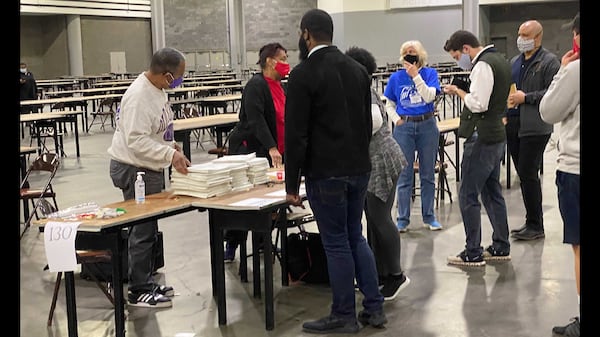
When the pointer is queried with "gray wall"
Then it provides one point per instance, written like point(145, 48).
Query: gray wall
point(383, 32)
point(129, 35)
point(43, 44)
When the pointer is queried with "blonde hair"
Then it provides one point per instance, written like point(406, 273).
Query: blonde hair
point(418, 47)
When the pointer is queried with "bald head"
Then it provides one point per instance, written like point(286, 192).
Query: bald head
point(531, 29)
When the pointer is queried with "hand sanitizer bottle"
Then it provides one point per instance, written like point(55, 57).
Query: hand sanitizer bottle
point(140, 189)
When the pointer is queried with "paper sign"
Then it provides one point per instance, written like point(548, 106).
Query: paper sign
point(59, 242)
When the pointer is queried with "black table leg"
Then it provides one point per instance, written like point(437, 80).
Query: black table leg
point(269, 307)
point(117, 268)
point(71, 303)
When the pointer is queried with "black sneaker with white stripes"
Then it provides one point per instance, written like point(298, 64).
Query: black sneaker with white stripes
point(164, 290)
point(148, 300)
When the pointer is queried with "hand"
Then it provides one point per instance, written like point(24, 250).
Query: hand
point(411, 69)
point(276, 158)
point(176, 146)
point(180, 163)
point(516, 98)
point(504, 120)
point(294, 200)
point(450, 89)
point(569, 57)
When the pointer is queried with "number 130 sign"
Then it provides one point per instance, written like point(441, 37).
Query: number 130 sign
point(59, 242)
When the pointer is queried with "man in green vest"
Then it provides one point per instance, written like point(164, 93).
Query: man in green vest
point(485, 141)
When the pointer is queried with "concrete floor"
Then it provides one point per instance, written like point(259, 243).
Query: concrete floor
point(522, 298)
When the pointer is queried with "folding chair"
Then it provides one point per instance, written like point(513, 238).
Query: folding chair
point(90, 258)
point(105, 111)
point(191, 111)
point(35, 191)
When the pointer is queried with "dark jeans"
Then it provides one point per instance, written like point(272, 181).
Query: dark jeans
point(480, 175)
point(337, 204)
point(527, 154)
point(142, 238)
point(383, 234)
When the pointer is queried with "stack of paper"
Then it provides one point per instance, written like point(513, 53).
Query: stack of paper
point(203, 180)
point(257, 170)
point(257, 167)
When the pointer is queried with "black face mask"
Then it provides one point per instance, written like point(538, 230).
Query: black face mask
point(411, 58)
point(302, 49)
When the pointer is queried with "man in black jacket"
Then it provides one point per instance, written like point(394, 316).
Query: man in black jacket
point(327, 133)
point(27, 86)
point(526, 133)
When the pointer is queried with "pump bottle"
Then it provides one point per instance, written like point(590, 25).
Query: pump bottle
point(140, 189)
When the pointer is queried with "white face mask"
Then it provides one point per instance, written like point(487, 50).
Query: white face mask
point(465, 62)
point(525, 45)
point(23, 70)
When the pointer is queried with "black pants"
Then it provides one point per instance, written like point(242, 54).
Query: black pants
point(527, 153)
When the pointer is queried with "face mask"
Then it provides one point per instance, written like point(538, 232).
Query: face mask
point(176, 82)
point(23, 70)
point(302, 49)
point(575, 47)
point(282, 69)
point(411, 58)
point(525, 45)
point(465, 62)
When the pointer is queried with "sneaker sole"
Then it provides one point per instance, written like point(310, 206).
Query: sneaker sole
point(495, 258)
point(467, 264)
point(402, 230)
point(150, 306)
point(400, 288)
point(432, 228)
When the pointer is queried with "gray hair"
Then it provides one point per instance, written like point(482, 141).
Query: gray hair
point(166, 60)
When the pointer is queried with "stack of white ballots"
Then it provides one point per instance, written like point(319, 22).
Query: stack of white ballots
point(257, 167)
point(238, 166)
point(257, 170)
point(203, 180)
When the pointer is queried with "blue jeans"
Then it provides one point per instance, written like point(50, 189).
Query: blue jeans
point(480, 174)
point(422, 137)
point(338, 203)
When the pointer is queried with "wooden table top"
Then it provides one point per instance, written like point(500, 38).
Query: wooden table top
point(167, 202)
point(38, 116)
point(204, 121)
point(66, 99)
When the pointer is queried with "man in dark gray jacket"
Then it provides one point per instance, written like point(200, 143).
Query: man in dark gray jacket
point(328, 128)
point(526, 133)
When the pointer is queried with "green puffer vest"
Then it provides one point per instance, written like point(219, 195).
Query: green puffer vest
point(489, 123)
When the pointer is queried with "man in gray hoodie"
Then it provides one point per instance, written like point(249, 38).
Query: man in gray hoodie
point(561, 105)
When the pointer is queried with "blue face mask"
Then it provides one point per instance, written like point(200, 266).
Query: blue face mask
point(176, 82)
point(465, 62)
